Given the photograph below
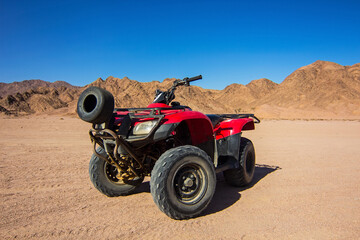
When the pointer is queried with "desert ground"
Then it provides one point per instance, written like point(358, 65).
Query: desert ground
point(306, 186)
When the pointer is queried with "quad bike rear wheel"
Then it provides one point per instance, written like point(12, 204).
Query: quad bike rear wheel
point(183, 182)
point(105, 178)
point(243, 175)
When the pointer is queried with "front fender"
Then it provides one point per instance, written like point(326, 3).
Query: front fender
point(199, 127)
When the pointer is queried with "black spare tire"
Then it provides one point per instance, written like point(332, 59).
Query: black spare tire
point(95, 105)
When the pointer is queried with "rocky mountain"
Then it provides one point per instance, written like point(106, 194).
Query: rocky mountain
point(36, 96)
point(135, 94)
point(319, 90)
point(322, 87)
point(19, 87)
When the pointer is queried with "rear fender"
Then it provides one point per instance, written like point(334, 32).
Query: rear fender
point(233, 126)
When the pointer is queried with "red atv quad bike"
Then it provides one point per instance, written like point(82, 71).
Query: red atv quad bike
point(182, 150)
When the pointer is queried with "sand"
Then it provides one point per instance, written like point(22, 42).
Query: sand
point(306, 186)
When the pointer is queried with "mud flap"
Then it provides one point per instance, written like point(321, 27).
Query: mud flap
point(228, 150)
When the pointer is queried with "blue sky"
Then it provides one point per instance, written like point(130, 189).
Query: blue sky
point(225, 41)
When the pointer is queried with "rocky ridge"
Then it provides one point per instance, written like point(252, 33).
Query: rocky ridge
point(319, 90)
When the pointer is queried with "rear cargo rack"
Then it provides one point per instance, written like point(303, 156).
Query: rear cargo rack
point(244, 115)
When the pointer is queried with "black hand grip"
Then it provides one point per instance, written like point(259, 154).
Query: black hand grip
point(194, 78)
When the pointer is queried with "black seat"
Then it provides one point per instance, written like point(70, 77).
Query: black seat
point(215, 119)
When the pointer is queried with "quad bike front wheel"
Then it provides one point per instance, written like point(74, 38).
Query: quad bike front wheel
point(183, 182)
point(105, 177)
point(243, 175)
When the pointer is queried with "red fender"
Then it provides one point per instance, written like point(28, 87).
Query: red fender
point(158, 105)
point(233, 126)
point(199, 125)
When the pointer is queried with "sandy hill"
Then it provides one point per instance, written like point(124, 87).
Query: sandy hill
point(322, 88)
point(319, 90)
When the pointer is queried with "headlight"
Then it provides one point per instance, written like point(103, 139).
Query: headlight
point(144, 128)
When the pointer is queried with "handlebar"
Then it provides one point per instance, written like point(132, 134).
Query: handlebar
point(186, 81)
point(167, 96)
point(194, 78)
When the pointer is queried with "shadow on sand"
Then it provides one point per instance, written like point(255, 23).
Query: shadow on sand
point(144, 187)
point(225, 195)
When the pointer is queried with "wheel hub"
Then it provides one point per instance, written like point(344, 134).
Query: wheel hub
point(188, 182)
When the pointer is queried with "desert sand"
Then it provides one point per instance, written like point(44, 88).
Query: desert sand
point(306, 186)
